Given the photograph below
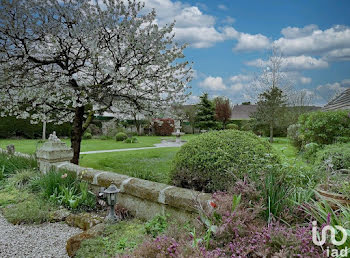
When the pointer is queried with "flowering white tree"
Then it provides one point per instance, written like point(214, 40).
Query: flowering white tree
point(68, 60)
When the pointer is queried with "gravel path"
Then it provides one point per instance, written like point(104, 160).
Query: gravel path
point(46, 240)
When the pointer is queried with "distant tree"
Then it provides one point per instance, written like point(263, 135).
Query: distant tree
point(205, 118)
point(190, 115)
point(183, 112)
point(246, 103)
point(271, 106)
point(223, 110)
point(298, 103)
point(272, 85)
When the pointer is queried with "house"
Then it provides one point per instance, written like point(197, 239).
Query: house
point(340, 102)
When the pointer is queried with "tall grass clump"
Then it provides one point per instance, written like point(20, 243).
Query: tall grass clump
point(9, 164)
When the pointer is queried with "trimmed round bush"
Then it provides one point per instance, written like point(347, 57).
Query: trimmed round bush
point(232, 126)
point(120, 137)
point(334, 157)
point(214, 161)
point(87, 136)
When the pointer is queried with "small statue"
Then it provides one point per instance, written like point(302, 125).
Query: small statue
point(53, 137)
point(10, 149)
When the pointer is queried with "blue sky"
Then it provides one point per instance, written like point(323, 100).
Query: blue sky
point(230, 40)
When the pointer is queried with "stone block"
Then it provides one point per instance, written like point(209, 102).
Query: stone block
point(73, 243)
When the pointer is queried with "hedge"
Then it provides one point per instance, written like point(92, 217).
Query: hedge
point(13, 127)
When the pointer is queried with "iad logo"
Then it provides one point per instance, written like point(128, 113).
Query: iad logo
point(320, 242)
point(324, 235)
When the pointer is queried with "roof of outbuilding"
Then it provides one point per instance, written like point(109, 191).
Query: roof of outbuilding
point(340, 102)
point(241, 112)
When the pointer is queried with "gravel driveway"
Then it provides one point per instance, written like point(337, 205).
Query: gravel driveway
point(45, 240)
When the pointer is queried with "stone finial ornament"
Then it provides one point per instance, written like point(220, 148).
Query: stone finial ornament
point(52, 152)
point(53, 137)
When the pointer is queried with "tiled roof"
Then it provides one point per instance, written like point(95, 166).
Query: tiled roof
point(242, 112)
point(340, 102)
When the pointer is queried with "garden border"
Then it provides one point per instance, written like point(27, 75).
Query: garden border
point(144, 199)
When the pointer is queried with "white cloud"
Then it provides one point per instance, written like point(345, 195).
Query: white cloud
point(229, 20)
point(327, 91)
point(238, 86)
point(293, 63)
point(213, 83)
point(310, 40)
point(250, 42)
point(305, 80)
point(241, 78)
point(294, 32)
point(338, 55)
point(202, 37)
point(192, 25)
point(222, 7)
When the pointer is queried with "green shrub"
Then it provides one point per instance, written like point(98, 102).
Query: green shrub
point(232, 126)
point(334, 157)
point(64, 189)
point(118, 238)
point(310, 150)
point(294, 136)
point(22, 178)
point(87, 136)
point(131, 140)
point(105, 137)
point(324, 127)
point(214, 161)
point(157, 225)
point(120, 137)
point(10, 164)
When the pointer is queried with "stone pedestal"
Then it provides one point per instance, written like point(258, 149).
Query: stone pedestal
point(53, 152)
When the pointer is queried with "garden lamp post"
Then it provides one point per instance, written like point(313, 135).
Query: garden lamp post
point(111, 196)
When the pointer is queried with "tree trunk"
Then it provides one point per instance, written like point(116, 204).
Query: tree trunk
point(271, 133)
point(77, 133)
point(44, 131)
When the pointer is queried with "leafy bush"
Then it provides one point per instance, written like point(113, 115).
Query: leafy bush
point(156, 225)
point(310, 150)
point(214, 161)
point(334, 157)
point(10, 164)
point(121, 136)
point(163, 127)
point(87, 136)
point(64, 189)
point(131, 140)
point(105, 137)
point(232, 126)
point(324, 127)
point(294, 136)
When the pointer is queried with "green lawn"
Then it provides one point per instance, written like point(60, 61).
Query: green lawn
point(29, 146)
point(152, 164)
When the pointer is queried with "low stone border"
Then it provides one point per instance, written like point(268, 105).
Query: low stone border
point(143, 198)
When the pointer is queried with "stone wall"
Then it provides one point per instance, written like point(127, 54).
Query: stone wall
point(143, 198)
